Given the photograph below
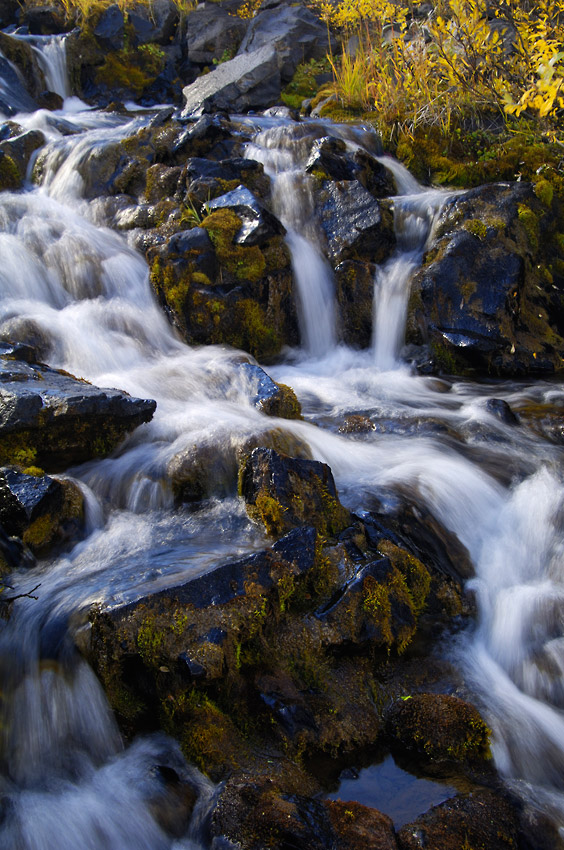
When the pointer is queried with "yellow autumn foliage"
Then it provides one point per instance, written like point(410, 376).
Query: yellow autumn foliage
point(466, 58)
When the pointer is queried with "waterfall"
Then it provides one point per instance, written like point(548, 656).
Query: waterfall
point(82, 296)
point(52, 56)
point(283, 155)
point(415, 212)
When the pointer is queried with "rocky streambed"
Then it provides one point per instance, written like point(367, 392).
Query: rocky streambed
point(229, 584)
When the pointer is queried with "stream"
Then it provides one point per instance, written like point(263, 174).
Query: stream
point(79, 292)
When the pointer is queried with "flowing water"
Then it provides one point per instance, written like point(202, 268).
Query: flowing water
point(79, 293)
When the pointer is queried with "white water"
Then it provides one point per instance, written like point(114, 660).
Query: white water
point(83, 296)
point(284, 157)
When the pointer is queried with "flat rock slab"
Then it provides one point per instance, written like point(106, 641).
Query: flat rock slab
point(249, 81)
point(53, 420)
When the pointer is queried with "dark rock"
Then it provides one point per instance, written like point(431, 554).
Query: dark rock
point(249, 81)
point(162, 181)
point(354, 223)
point(481, 819)
point(110, 28)
point(40, 510)
point(20, 145)
point(257, 223)
point(215, 176)
point(50, 100)
point(8, 13)
point(485, 298)
point(52, 420)
point(358, 827)
point(154, 24)
point(212, 34)
point(501, 410)
point(13, 556)
point(16, 96)
point(45, 20)
point(285, 493)
point(268, 396)
point(296, 34)
point(200, 137)
point(439, 728)
point(354, 281)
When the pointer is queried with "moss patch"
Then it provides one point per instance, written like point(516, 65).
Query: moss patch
point(244, 262)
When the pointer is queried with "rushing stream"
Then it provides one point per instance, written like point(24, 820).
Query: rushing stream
point(78, 292)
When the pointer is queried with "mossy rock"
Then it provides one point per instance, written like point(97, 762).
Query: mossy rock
point(245, 263)
point(439, 728)
point(284, 493)
point(10, 177)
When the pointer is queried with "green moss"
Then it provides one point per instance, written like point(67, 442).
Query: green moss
point(406, 585)
point(303, 84)
point(244, 262)
point(253, 333)
point(149, 641)
point(530, 223)
point(544, 191)
point(10, 177)
point(476, 227)
point(39, 534)
point(132, 69)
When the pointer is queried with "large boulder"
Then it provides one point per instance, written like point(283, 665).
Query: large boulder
point(249, 81)
point(212, 34)
point(490, 295)
point(294, 31)
point(52, 420)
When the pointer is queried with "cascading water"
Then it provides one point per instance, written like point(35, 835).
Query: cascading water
point(415, 211)
point(82, 296)
point(284, 157)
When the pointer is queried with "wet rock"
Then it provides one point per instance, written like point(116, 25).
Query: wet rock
point(244, 298)
point(354, 281)
point(501, 410)
point(162, 181)
point(51, 100)
point(439, 728)
point(52, 420)
point(155, 649)
point(329, 159)
point(257, 223)
point(284, 493)
point(270, 397)
point(200, 137)
point(249, 81)
point(18, 97)
point(354, 223)
point(13, 556)
point(110, 28)
point(358, 827)
point(380, 604)
point(213, 35)
point(486, 298)
point(18, 146)
point(481, 819)
point(296, 34)
point(42, 511)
